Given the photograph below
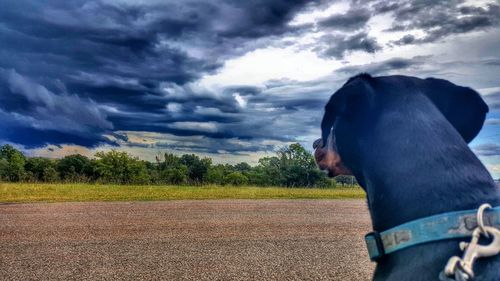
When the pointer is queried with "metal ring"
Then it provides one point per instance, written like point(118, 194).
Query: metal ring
point(480, 222)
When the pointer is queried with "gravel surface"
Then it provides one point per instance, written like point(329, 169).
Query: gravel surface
point(185, 240)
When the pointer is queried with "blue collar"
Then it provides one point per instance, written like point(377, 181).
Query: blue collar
point(438, 227)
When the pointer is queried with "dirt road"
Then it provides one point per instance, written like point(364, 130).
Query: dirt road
point(185, 240)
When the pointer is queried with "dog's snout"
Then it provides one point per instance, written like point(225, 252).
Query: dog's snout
point(317, 143)
point(328, 159)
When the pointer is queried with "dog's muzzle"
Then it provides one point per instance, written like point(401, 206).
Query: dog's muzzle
point(317, 143)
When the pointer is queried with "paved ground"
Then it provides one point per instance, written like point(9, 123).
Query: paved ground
point(185, 240)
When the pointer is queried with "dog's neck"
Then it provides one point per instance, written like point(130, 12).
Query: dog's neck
point(439, 172)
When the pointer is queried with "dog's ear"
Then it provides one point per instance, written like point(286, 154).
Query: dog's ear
point(463, 107)
point(346, 102)
point(332, 110)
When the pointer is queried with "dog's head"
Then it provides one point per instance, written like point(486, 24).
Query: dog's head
point(461, 106)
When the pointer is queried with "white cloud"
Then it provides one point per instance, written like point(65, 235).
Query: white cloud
point(208, 127)
point(489, 91)
point(174, 107)
point(242, 102)
point(492, 121)
point(264, 64)
point(314, 15)
point(209, 111)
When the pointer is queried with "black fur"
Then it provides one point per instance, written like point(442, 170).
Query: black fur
point(405, 140)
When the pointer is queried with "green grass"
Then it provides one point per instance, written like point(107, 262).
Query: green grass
point(26, 192)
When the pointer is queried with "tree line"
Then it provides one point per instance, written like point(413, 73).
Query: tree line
point(292, 166)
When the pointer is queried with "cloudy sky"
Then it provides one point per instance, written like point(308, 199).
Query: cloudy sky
point(233, 80)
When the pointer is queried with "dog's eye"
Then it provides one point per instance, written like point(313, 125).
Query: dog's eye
point(316, 143)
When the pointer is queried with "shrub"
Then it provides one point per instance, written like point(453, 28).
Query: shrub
point(236, 178)
point(120, 167)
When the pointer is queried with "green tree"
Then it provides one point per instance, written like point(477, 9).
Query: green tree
point(197, 168)
point(15, 160)
point(298, 168)
point(175, 175)
point(38, 168)
point(292, 166)
point(216, 174)
point(170, 161)
point(171, 170)
point(346, 180)
point(267, 172)
point(4, 164)
point(153, 172)
point(75, 168)
point(120, 167)
point(243, 167)
point(236, 178)
point(50, 175)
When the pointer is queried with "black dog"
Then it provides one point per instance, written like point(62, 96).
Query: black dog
point(405, 140)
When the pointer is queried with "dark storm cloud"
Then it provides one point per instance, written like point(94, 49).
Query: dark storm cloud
point(84, 72)
point(344, 33)
point(405, 40)
point(351, 20)
point(492, 62)
point(264, 116)
point(385, 67)
point(32, 113)
point(207, 145)
point(337, 46)
point(487, 149)
point(243, 90)
point(385, 6)
point(255, 19)
point(73, 71)
point(276, 112)
point(438, 19)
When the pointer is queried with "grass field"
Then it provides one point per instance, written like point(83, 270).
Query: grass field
point(25, 192)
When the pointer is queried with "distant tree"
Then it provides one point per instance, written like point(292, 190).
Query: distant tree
point(292, 166)
point(346, 180)
point(236, 178)
point(41, 169)
point(243, 167)
point(175, 175)
point(153, 172)
point(267, 172)
point(215, 174)
point(75, 168)
point(29, 177)
point(120, 167)
point(50, 175)
point(4, 164)
point(13, 163)
point(197, 168)
point(171, 160)
point(8, 151)
point(171, 170)
point(298, 167)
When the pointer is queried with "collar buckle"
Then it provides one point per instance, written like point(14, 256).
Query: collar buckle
point(375, 245)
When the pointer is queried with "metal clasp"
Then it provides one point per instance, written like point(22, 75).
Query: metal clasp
point(463, 268)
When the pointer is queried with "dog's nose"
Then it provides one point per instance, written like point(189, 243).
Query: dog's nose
point(316, 143)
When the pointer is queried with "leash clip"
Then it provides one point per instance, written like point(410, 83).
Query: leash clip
point(463, 268)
